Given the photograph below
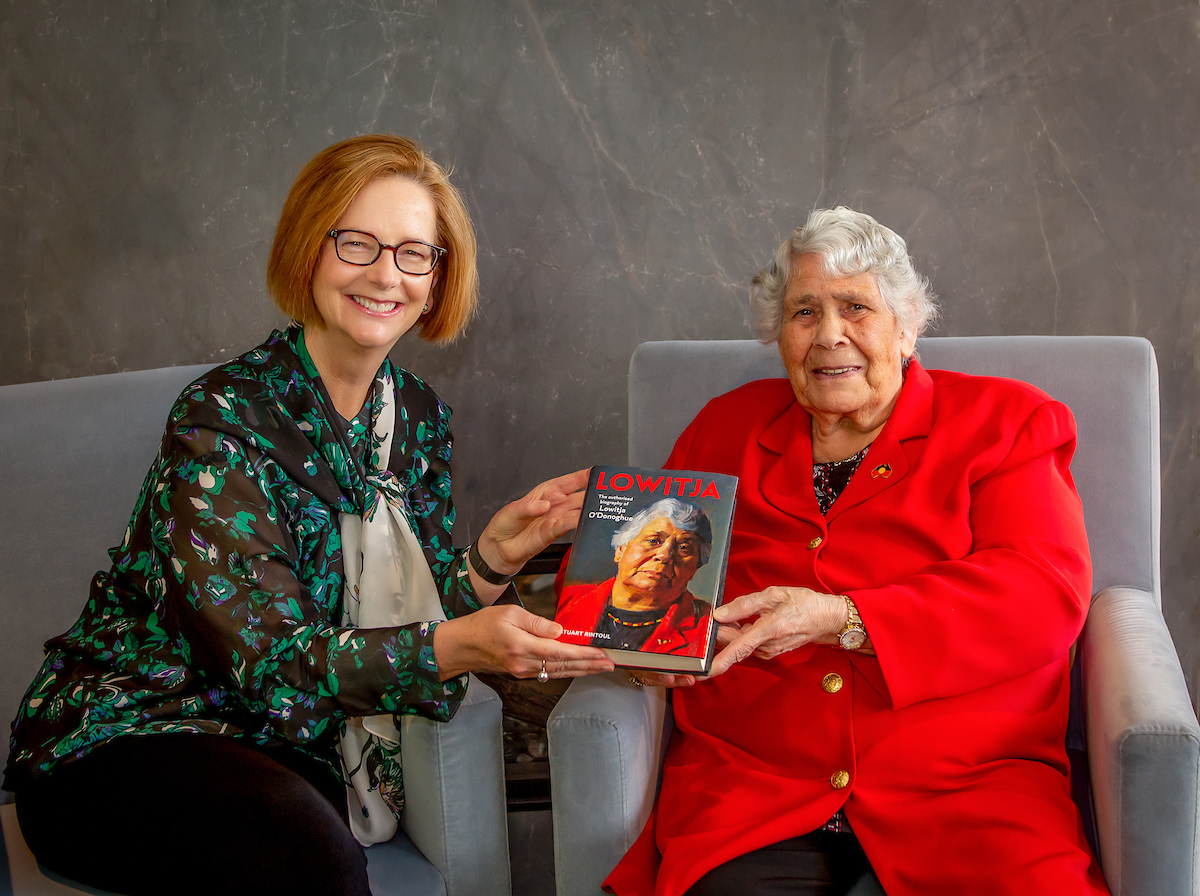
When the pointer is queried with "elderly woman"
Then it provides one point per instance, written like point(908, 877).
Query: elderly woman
point(647, 604)
point(910, 570)
point(287, 585)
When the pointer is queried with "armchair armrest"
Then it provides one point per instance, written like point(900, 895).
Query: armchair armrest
point(1143, 747)
point(606, 740)
point(455, 810)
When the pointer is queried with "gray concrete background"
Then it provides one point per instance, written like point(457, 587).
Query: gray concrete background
point(628, 166)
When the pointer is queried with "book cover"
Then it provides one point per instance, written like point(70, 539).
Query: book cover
point(648, 567)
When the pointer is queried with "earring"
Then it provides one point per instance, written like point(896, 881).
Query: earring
point(425, 310)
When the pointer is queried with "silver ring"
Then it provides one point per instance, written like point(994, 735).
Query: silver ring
point(543, 676)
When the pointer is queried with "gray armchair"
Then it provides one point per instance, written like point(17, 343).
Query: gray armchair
point(72, 457)
point(1142, 739)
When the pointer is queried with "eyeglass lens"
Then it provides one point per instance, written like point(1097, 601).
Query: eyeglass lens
point(412, 257)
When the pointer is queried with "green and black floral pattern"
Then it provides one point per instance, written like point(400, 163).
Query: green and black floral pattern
point(222, 611)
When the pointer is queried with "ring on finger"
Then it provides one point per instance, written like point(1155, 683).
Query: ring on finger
point(543, 676)
point(635, 681)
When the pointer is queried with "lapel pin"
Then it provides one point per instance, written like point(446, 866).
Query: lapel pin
point(884, 470)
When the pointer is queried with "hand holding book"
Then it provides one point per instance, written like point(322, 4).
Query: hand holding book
point(777, 619)
point(511, 640)
point(521, 529)
point(643, 678)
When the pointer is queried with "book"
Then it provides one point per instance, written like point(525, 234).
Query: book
point(647, 568)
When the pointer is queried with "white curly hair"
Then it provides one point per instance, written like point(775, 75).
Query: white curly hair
point(848, 243)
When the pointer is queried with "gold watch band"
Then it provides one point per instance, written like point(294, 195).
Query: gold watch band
point(854, 635)
point(852, 612)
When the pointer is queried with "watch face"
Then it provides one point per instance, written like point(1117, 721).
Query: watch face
point(854, 638)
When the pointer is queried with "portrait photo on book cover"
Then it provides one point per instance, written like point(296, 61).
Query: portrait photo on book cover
point(643, 587)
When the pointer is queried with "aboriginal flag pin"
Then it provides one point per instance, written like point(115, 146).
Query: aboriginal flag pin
point(884, 470)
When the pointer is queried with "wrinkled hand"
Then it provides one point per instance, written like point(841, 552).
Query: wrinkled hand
point(511, 640)
point(660, 679)
point(526, 526)
point(788, 617)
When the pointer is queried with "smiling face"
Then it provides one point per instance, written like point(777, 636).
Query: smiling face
point(654, 568)
point(366, 309)
point(841, 345)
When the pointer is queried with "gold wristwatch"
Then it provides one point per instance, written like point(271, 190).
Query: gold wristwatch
point(853, 636)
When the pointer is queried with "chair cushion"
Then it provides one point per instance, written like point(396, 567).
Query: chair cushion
point(397, 868)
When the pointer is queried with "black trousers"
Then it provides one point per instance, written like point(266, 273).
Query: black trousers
point(192, 814)
point(818, 864)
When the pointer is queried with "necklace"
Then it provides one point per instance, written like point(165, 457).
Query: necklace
point(619, 621)
point(854, 458)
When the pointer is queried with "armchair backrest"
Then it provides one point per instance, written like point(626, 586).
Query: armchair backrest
point(1109, 382)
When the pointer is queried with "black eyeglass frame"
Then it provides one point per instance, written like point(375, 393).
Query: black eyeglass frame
point(438, 252)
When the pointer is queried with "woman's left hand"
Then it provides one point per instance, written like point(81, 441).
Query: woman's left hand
point(788, 617)
point(526, 526)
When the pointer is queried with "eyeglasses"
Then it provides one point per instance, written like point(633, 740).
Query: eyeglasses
point(412, 256)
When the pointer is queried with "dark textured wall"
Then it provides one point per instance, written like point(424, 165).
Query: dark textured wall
point(629, 165)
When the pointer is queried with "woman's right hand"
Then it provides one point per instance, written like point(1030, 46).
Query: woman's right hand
point(642, 678)
point(511, 640)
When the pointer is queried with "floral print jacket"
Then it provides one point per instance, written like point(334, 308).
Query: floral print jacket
point(222, 611)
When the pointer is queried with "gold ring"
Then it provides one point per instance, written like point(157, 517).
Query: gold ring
point(635, 681)
point(543, 676)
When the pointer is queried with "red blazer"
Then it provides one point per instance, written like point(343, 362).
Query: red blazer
point(684, 630)
point(961, 540)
